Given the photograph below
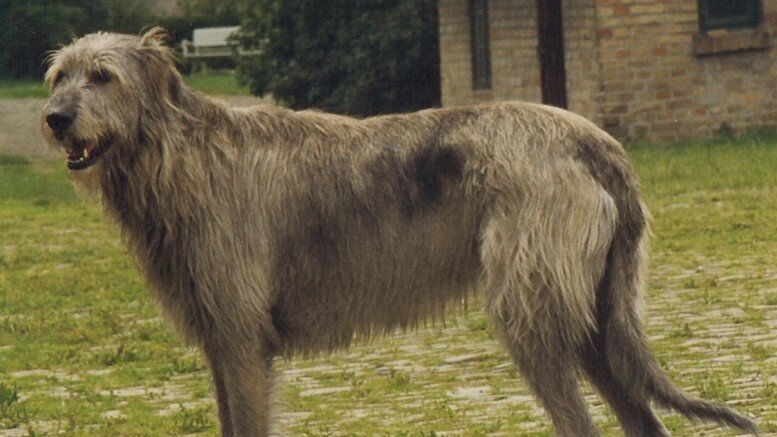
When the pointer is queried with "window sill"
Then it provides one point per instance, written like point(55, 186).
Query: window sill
point(730, 40)
point(483, 94)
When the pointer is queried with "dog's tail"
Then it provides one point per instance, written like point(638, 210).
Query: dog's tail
point(625, 344)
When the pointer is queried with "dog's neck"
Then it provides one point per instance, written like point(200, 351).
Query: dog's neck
point(149, 180)
point(167, 171)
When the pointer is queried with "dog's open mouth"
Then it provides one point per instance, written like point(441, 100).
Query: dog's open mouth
point(84, 153)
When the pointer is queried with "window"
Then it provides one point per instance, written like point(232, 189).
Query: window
point(728, 26)
point(481, 52)
point(728, 14)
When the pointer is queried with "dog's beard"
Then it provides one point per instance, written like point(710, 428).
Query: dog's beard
point(87, 181)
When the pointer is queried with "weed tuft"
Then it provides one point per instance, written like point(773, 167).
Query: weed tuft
point(193, 420)
point(11, 415)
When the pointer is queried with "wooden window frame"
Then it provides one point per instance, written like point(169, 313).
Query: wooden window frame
point(749, 19)
point(480, 49)
point(730, 34)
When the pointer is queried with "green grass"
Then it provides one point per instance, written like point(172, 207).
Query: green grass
point(219, 83)
point(83, 350)
point(24, 88)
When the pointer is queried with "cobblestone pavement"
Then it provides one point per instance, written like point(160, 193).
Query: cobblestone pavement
point(454, 378)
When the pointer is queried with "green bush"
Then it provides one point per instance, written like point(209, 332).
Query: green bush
point(346, 56)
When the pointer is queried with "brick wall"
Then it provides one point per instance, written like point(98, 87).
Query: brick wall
point(514, 63)
point(638, 68)
point(582, 58)
point(455, 69)
point(653, 85)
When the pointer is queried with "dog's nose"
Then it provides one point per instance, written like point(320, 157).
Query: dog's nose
point(59, 121)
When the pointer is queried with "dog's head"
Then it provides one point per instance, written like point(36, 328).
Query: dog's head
point(102, 86)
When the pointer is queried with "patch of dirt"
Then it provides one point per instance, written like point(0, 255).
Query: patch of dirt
point(19, 129)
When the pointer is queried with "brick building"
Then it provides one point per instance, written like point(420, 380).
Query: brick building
point(641, 69)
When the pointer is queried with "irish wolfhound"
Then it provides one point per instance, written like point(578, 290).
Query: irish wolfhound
point(268, 232)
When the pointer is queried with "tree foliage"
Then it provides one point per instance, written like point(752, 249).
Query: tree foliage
point(194, 14)
point(28, 29)
point(31, 28)
point(358, 57)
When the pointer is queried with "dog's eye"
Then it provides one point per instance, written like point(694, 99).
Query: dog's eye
point(59, 77)
point(99, 77)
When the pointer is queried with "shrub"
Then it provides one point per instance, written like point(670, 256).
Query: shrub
point(353, 57)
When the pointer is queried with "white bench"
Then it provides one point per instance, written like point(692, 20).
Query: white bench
point(209, 43)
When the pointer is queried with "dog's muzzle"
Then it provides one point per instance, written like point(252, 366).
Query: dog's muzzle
point(81, 153)
point(59, 120)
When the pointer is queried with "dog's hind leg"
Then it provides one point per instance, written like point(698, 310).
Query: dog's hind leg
point(540, 336)
point(634, 412)
point(549, 366)
point(635, 416)
point(543, 255)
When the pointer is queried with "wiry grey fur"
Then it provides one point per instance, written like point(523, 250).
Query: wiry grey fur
point(267, 232)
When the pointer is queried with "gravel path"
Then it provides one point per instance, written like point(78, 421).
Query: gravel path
point(19, 131)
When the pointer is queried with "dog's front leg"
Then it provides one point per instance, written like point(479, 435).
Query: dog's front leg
point(244, 370)
point(214, 357)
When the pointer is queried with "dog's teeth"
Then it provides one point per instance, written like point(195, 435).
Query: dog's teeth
point(86, 153)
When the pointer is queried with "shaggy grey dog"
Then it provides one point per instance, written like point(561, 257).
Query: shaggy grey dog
point(267, 232)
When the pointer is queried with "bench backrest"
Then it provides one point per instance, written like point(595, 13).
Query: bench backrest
point(212, 36)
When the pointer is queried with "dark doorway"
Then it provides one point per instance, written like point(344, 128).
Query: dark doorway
point(551, 52)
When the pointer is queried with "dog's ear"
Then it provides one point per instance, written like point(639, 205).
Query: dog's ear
point(161, 62)
point(154, 44)
point(156, 36)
